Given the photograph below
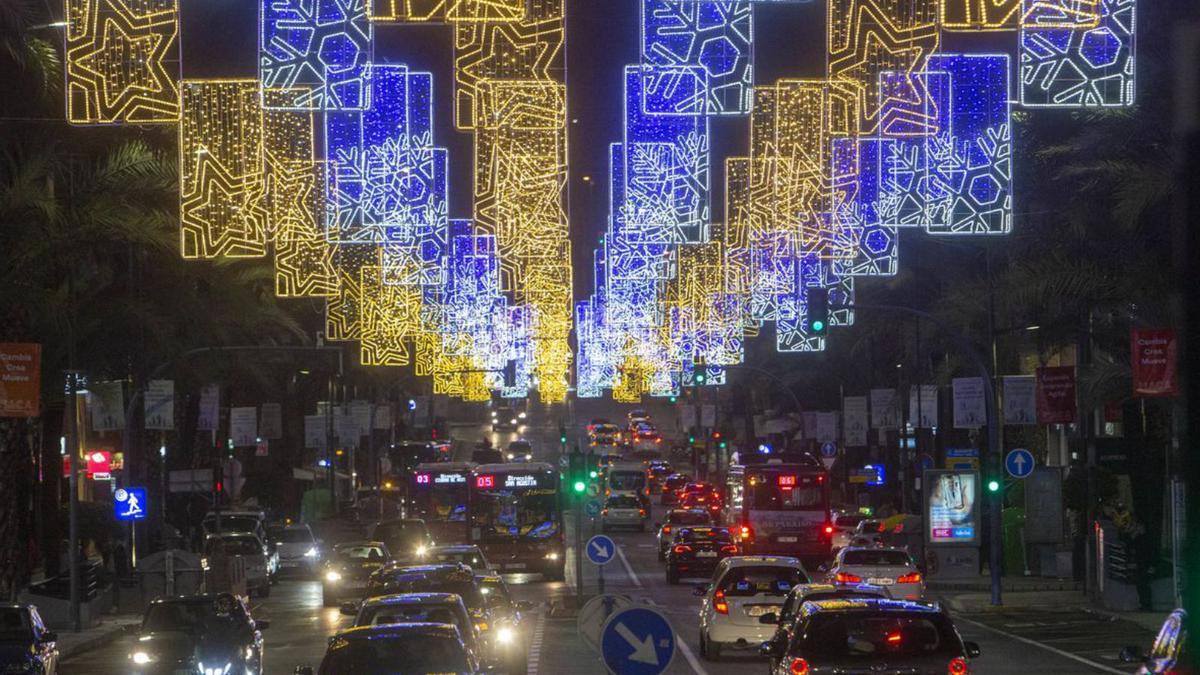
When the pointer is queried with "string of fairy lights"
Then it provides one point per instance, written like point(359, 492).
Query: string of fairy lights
point(327, 163)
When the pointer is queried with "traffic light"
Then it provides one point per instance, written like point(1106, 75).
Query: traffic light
point(691, 438)
point(562, 434)
point(699, 376)
point(818, 311)
point(579, 487)
point(673, 399)
point(993, 485)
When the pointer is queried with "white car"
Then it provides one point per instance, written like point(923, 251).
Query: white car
point(297, 547)
point(623, 510)
point(745, 588)
point(891, 568)
point(844, 526)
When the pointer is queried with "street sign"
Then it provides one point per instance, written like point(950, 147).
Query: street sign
point(129, 503)
point(595, 613)
point(829, 449)
point(1019, 463)
point(592, 508)
point(601, 549)
point(637, 641)
point(962, 459)
point(190, 480)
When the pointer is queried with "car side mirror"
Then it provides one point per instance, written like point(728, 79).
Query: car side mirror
point(1131, 654)
point(525, 605)
point(700, 590)
point(49, 636)
point(972, 649)
point(768, 649)
point(348, 608)
point(262, 624)
point(769, 618)
point(303, 670)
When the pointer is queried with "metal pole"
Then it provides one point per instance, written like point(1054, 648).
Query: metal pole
point(579, 536)
point(73, 503)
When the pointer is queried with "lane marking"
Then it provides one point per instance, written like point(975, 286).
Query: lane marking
point(691, 658)
point(628, 568)
point(1035, 643)
point(535, 645)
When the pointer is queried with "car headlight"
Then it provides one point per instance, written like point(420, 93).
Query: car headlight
point(513, 421)
point(505, 635)
point(511, 456)
point(141, 658)
point(553, 555)
point(521, 416)
point(215, 670)
point(528, 457)
point(312, 552)
point(421, 551)
point(248, 654)
point(482, 626)
point(333, 576)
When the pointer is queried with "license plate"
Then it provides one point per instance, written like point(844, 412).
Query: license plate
point(880, 581)
point(759, 610)
point(706, 554)
point(514, 566)
point(788, 540)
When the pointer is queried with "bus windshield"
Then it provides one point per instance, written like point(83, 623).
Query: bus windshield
point(441, 497)
point(505, 513)
point(785, 491)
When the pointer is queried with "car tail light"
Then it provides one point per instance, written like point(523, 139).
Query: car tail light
point(719, 603)
point(681, 548)
point(828, 529)
point(798, 667)
point(910, 578)
point(894, 638)
point(642, 513)
point(714, 507)
point(747, 533)
point(844, 578)
point(729, 548)
point(604, 512)
point(958, 666)
point(666, 529)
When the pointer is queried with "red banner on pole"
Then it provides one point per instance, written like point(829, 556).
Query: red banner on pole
point(1056, 395)
point(1153, 362)
point(20, 379)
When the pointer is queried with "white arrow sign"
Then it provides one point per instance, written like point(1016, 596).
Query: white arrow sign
point(601, 550)
point(643, 649)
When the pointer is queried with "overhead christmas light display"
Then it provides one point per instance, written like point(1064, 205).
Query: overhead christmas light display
point(328, 162)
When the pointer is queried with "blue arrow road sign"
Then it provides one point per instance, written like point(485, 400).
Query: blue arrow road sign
point(129, 503)
point(1019, 463)
point(601, 550)
point(592, 508)
point(637, 641)
point(829, 449)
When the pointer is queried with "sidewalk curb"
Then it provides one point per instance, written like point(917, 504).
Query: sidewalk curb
point(90, 642)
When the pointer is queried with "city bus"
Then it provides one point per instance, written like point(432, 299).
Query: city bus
point(439, 496)
point(781, 507)
point(516, 517)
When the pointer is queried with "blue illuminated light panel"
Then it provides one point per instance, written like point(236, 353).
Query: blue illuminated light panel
point(321, 48)
point(1085, 66)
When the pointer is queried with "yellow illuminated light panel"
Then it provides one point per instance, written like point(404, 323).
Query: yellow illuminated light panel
point(390, 317)
point(407, 10)
point(344, 311)
point(1061, 13)
point(221, 180)
point(122, 61)
point(981, 15)
point(484, 11)
point(870, 37)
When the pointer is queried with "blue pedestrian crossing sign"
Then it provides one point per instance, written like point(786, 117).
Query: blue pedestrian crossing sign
point(592, 508)
point(601, 549)
point(1019, 463)
point(129, 503)
point(637, 641)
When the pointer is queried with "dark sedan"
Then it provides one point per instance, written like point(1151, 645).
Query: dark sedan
point(407, 539)
point(695, 551)
point(675, 519)
point(198, 634)
point(444, 578)
point(25, 644)
point(671, 486)
point(882, 637)
point(348, 568)
point(397, 649)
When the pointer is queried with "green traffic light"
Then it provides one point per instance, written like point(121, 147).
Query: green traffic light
point(673, 399)
point(562, 439)
point(993, 485)
point(699, 378)
point(722, 445)
point(818, 326)
point(580, 486)
point(692, 440)
point(592, 474)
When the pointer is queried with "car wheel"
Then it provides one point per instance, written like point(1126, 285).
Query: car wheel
point(672, 576)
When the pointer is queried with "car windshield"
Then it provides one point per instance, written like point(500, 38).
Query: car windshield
point(848, 521)
point(359, 553)
point(412, 653)
point(375, 615)
point(696, 534)
point(291, 536)
point(622, 502)
point(198, 616)
point(15, 625)
point(403, 534)
point(881, 557)
point(761, 580)
point(495, 592)
point(467, 557)
point(422, 583)
point(687, 517)
point(865, 637)
point(234, 546)
point(627, 480)
point(233, 523)
point(520, 446)
point(676, 481)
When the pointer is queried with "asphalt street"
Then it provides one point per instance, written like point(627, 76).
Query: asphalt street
point(1013, 642)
